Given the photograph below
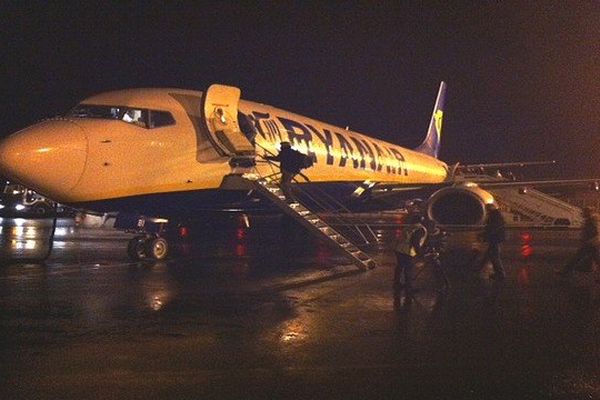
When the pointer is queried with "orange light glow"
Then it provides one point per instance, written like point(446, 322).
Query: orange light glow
point(240, 250)
point(526, 237)
point(240, 233)
point(526, 250)
point(184, 231)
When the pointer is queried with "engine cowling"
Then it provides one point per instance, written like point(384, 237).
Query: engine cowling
point(460, 204)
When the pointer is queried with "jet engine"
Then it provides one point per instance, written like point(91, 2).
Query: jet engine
point(460, 204)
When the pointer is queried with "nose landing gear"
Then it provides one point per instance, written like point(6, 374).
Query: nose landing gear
point(148, 246)
point(150, 241)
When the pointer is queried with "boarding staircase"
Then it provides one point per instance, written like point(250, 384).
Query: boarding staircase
point(538, 207)
point(270, 189)
point(531, 206)
point(220, 117)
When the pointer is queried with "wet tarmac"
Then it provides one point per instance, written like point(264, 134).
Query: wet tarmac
point(265, 312)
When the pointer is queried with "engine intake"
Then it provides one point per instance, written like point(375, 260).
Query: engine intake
point(462, 204)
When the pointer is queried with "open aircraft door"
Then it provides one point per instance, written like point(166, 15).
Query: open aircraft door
point(220, 114)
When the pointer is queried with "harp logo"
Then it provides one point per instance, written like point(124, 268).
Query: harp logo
point(438, 117)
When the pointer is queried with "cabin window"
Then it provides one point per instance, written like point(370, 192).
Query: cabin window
point(136, 116)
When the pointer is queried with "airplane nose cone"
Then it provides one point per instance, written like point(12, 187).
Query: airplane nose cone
point(48, 157)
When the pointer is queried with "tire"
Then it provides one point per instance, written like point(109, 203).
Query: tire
point(136, 249)
point(41, 210)
point(157, 248)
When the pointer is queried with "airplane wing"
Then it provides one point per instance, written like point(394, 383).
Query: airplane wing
point(592, 183)
point(373, 190)
point(484, 166)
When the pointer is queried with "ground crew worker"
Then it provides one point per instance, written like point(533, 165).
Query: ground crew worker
point(407, 249)
point(494, 233)
point(587, 253)
point(290, 162)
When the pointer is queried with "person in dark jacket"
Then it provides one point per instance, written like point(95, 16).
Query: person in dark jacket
point(290, 162)
point(587, 253)
point(407, 249)
point(494, 233)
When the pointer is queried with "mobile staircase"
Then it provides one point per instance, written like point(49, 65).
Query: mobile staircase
point(532, 206)
point(538, 207)
point(220, 116)
point(269, 187)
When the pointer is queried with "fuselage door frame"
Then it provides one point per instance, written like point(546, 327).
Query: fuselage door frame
point(220, 117)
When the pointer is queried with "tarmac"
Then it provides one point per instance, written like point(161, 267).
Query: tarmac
point(265, 312)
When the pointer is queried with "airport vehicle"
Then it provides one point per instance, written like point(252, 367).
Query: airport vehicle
point(170, 153)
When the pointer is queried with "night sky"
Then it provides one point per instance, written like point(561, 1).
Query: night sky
point(523, 77)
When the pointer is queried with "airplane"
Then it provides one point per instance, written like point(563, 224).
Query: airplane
point(166, 152)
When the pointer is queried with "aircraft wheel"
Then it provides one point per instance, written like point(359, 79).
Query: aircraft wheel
point(41, 210)
point(136, 249)
point(157, 248)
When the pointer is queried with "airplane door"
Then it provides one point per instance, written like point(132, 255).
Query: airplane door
point(220, 114)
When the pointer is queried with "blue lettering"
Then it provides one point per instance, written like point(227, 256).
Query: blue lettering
point(379, 156)
point(400, 158)
point(359, 147)
point(347, 151)
point(297, 133)
point(327, 140)
point(390, 168)
point(364, 149)
point(256, 118)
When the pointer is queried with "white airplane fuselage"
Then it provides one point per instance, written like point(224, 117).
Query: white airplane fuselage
point(79, 160)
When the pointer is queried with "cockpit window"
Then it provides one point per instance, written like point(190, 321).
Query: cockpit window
point(91, 111)
point(137, 116)
point(160, 118)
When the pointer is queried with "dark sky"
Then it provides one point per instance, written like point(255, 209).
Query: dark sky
point(523, 77)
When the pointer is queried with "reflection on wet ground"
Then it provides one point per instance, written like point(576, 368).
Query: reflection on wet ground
point(264, 312)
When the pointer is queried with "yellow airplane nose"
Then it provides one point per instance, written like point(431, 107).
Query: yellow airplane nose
point(48, 157)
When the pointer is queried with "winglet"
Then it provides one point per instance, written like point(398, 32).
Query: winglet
point(431, 144)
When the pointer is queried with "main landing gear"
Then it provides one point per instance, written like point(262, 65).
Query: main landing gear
point(149, 246)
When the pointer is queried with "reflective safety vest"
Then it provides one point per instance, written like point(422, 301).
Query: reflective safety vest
point(407, 245)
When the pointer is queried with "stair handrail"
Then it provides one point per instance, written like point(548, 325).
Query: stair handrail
point(337, 206)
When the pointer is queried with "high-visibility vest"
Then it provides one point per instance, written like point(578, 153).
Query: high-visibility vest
point(405, 243)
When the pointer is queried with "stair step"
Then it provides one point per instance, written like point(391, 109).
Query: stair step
point(273, 190)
